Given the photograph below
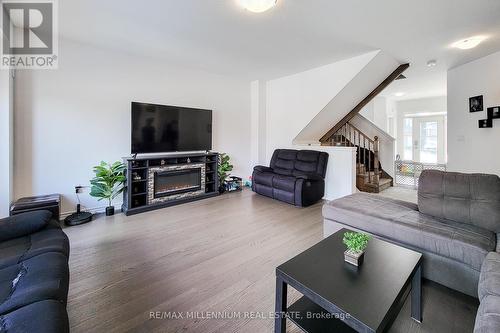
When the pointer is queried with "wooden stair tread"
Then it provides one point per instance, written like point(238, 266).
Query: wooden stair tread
point(384, 183)
point(381, 182)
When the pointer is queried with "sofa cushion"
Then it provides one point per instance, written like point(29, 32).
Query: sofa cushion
point(465, 198)
point(289, 162)
point(285, 196)
point(40, 278)
point(489, 279)
point(285, 183)
point(401, 222)
point(23, 224)
point(41, 317)
point(263, 189)
point(488, 315)
point(307, 161)
point(47, 240)
point(263, 178)
point(283, 161)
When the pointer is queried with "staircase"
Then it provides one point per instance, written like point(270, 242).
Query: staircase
point(370, 177)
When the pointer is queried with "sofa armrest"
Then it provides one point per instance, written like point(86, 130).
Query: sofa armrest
point(261, 168)
point(23, 224)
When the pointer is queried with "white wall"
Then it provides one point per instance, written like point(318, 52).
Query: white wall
point(67, 120)
point(340, 179)
point(377, 111)
point(430, 106)
point(377, 67)
point(6, 141)
point(293, 101)
point(470, 148)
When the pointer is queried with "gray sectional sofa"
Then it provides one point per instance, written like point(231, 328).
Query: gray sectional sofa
point(488, 314)
point(455, 225)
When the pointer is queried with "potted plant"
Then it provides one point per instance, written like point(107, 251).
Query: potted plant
point(108, 183)
point(223, 171)
point(356, 244)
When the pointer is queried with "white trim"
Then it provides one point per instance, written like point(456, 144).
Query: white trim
point(93, 210)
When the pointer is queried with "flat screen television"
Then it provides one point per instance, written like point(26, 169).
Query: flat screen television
point(163, 129)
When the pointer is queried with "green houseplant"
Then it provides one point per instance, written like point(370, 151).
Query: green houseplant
point(223, 170)
point(356, 244)
point(108, 183)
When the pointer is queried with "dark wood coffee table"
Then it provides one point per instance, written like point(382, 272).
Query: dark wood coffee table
point(339, 297)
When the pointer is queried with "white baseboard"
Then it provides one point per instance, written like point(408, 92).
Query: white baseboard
point(93, 210)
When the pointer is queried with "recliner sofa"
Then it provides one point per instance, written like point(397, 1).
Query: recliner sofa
point(34, 274)
point(296, 177)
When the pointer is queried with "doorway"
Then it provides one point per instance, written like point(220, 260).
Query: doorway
point(424, 139)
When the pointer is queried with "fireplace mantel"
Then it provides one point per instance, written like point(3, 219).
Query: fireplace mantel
point(142, 172)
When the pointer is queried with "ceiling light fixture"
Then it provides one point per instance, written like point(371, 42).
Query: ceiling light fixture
point(257, 6)
point(399, 94)
point(431, 63)
point(468, 43)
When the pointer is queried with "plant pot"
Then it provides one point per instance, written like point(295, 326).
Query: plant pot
point(222, 189)
point(354, 258)
point(110, 211)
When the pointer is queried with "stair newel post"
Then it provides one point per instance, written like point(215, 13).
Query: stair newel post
point(376, 147)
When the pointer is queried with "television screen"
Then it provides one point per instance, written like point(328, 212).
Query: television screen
point(162, 129)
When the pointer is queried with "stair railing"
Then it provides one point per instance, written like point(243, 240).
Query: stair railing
point(350, 136)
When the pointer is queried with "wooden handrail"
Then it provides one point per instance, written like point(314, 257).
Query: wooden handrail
point(365, 101)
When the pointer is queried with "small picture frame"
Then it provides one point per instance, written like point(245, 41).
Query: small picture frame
point(494, 112)
point(486, 123)
point(476, 104)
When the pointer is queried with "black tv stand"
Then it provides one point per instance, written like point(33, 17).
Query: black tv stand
point(141, 193)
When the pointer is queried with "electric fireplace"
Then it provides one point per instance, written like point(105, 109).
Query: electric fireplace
point(172, 182)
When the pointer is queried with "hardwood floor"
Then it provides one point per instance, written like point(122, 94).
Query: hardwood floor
point(212, 256)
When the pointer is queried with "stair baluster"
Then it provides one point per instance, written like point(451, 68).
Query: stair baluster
point(367, 176)
point(376, 170)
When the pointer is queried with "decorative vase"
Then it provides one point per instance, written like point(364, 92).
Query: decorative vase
point(354, 258)
point(110, 211)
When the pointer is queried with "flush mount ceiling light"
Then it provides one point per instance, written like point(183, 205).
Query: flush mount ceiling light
point(431, 63)
point(399, 94)
point(468, 43)
point(257, 6)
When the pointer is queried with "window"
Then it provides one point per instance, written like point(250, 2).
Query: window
point(408, 138)
point(428, 141)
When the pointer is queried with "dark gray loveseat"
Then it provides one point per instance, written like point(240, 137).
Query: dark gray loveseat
point(294, 176)
point(34, 274)
point(455, 224)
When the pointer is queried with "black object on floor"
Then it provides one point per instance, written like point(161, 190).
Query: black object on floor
point(78, 218)
point(51, 202)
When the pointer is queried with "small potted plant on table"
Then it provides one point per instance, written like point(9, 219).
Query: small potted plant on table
point(356, 244)
point(108, 183)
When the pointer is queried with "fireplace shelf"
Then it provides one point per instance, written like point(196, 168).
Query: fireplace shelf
point(153, 181)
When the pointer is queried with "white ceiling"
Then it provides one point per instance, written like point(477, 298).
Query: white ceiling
point(220, 37)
